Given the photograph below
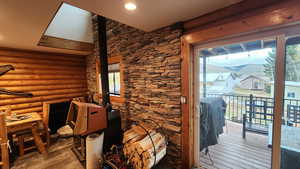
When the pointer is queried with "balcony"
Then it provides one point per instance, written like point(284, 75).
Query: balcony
point(235, 152)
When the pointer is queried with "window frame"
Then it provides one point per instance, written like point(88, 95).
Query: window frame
point(114, 98)
point(114, 83)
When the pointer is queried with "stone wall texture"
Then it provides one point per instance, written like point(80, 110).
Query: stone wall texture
point(152, 80)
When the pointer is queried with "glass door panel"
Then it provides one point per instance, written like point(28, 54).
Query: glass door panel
point(237, 104)
point(290, 128)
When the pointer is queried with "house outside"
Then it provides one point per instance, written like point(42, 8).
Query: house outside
point(219, 83)
point(292, 90)
point(253, 82)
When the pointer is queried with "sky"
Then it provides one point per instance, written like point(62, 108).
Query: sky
point(253, 57)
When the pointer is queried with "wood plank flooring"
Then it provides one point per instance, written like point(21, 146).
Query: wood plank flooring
point(234, 152)
point(60, 157)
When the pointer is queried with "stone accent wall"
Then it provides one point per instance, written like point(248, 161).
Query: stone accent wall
point(151, 62)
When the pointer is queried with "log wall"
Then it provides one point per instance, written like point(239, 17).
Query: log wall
point(48, 76)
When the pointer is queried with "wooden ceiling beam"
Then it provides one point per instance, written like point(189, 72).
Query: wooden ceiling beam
point(227, 12)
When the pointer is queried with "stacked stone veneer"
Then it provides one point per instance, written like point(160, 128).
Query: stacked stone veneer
point(152, 81)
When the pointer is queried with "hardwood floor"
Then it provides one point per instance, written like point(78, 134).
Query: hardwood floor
point(60, 157)
point(234, 152)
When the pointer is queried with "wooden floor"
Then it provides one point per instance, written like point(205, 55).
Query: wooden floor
point(234, 152)
point(60, 157)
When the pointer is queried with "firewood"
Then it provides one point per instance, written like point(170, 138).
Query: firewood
point(138, 146)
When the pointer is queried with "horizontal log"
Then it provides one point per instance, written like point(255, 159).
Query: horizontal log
point(46, 87)
point(42, 66)
point(39, 98)
point(29, 110)
point(43, 72)
point(38, 82)
point(44, 61)
point(47, 93)
point(42, 77)
point(40, 55)
point(23, 105)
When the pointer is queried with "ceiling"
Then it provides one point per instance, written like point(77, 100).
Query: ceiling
point(24, 22)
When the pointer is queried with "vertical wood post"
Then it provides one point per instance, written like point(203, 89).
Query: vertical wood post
point(278, 101)
point(102, 40)
point(3, 142)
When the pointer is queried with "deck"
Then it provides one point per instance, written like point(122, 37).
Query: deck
point(234, 152)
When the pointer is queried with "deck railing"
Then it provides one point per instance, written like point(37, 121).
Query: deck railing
point(238, 105)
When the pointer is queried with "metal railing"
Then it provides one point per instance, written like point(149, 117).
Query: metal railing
point(261, 109)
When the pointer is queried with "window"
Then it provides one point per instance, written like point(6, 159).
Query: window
point(114, 83)
point(291, 94)
point(255, 85)
point(113, 79)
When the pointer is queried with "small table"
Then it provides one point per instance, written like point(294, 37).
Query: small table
point(29, 123)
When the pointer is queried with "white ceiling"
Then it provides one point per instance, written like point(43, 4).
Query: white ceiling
point(152, 14)
point(23, 22)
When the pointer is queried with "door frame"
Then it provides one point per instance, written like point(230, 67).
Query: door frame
point(262, 23)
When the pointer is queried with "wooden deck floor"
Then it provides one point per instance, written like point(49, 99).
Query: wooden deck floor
point(234, 152)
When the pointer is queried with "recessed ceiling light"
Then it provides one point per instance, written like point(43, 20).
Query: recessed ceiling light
point(130, 6)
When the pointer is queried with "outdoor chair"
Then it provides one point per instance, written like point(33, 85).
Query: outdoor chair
point(259, 113)
point(293, 115)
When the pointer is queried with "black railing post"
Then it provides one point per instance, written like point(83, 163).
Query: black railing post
point(244, 125)
point(251, 108)
point(265, 110)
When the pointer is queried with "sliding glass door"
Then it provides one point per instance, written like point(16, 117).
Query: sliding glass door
point(237, 104)
point(249, 101)
point(290, 126)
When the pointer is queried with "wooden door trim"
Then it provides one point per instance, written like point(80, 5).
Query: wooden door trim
point(278, 100)
point(186, 54)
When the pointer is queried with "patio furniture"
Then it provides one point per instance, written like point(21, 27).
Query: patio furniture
point(293, 115)
point(259, 113)
point(290, 146)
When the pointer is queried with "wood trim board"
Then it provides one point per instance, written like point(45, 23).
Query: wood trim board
point(55, 42)
point(226, 13)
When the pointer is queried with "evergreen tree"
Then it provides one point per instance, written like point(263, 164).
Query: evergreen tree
point(292, 64)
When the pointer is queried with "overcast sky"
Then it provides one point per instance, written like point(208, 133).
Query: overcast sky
point(253, 57)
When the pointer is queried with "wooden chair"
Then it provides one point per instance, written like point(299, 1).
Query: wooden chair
point(293, 115)
point(3, 142)
point(259, 113)
point(26, 136)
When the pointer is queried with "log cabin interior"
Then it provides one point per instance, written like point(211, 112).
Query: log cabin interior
point(133, 84)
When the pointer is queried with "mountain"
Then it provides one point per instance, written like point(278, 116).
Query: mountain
point(215, 69)
point(254, 69)
point(235, 68)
